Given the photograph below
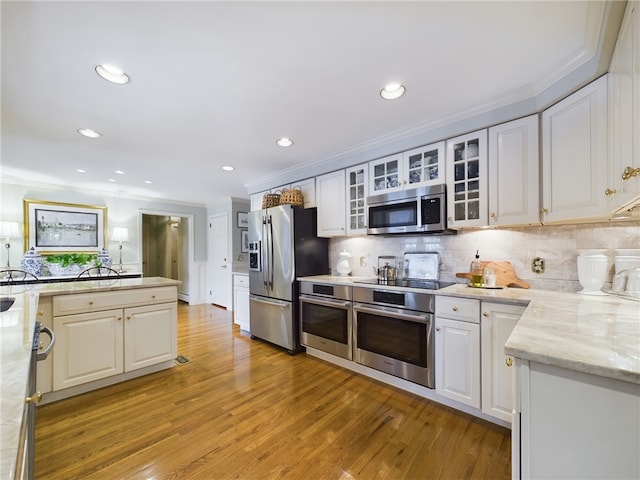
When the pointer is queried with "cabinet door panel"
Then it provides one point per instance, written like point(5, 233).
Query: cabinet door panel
point(331, 204)
point(88, 347)
point(458, 361)
point(150, 335)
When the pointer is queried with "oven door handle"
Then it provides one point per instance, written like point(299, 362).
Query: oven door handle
point(394, 314)
point(323, 302)
point(45, 353)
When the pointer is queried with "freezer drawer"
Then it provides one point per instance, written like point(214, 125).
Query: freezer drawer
point(272, 320)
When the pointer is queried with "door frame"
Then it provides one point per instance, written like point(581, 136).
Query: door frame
point(191, 271)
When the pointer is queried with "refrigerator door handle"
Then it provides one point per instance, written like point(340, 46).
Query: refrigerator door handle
point(271, 252)
point(265, 249)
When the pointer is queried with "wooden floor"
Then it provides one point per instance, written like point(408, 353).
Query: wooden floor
point(245, 409)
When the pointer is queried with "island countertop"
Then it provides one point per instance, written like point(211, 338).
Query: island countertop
point(595, 334)
point(16, 335)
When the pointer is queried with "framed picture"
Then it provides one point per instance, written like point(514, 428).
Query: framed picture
point(243, 220)
point(244, 241)
point(54, 227)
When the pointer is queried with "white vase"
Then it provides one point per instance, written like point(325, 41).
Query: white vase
point(592, 272)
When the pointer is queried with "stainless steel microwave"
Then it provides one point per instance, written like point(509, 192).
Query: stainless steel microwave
point(417, 210)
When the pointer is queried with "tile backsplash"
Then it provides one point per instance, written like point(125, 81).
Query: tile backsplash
point(557, 245)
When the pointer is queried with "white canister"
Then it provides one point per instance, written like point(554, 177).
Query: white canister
point(343, 267)
point(593, 266)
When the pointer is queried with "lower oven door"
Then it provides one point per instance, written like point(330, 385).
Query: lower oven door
point(326, 324)
point(395, 341)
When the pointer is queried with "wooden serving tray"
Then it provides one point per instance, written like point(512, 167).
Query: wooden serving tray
point(505, 274)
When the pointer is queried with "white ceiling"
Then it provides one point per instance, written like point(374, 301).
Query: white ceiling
point(216, 83)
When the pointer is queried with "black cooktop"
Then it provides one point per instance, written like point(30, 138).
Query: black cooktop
point(410, 282)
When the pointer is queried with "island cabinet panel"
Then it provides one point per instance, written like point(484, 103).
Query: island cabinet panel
point(103, 337)
point(88, 347)
point(570, 424)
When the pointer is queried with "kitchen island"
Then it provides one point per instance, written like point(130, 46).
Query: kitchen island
point(17, 328)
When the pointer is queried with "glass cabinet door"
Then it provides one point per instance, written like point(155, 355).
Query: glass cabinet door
point(424, 166)
point(467, 180)
point(386, 174)
point(357, 192)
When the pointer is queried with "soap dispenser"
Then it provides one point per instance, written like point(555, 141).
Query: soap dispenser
point(476, 271)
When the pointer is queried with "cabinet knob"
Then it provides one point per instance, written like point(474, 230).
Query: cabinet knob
point(90, 302)
point(34, 399)
point(485, 314)
point(630, 172)
point(153, 296)
point(454, 308)
point(609, 192)
point(119, 318)
point(544, 211)
point(437, 329)
point(493, 215)
point(509, 361)
point(128, 317)
point(40, 313)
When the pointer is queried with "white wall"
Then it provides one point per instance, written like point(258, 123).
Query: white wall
point(558, 245)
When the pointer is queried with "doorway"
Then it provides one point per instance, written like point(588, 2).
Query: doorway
point(165, 249)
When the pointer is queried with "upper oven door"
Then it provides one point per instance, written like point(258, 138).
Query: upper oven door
point(399, 216)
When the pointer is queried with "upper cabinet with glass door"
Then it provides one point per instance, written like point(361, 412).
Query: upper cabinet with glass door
point(411, 169)
point(466, 174)
point(357, 192)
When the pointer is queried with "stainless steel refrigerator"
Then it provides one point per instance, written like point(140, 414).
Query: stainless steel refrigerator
point(283, 245)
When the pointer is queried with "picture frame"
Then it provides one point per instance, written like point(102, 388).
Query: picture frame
point(54, 227)
point(243, 219)
point(244, 241)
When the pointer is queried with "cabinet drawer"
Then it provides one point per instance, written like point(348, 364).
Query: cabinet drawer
point(465, 309)
point(241, 280)
point(91, 302)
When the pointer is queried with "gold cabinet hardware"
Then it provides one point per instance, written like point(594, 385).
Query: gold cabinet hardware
point(40, 345)
point(128, 317)
point(153, 296)
point(544, 211)
point(608, 192)
point(90, 302)
point(40, 313)
point(437, 329)
point(485, 314)
point(454, 308)
point(34, 399)
point(119, 318)
point(630, 172)
point(493, 215)
point(509, 361)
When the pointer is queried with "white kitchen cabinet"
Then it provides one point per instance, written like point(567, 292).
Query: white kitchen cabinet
point(574, 156)
point(414, 168)
point(624, 113)
point(105, 334)
point(514, 165)
point(256, 200)
point(330, 190)
point(569, 424)
point(357, 179)
point(457, 345)
point(498, 321)
point(241, 301)
point(467, 176)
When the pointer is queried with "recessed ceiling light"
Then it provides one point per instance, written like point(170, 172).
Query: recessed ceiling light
point(148, 181)
point(112, 179)
point(228, 168)
point(119, 172)
point(392, 91)
point(112, 74)
point(87, 132)
point(79, 170)
point(284, 142)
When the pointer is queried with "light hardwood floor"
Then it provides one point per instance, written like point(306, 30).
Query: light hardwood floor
point(244, 409)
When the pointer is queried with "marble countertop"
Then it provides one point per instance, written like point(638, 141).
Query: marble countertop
point(16, 334)
point(596, 334)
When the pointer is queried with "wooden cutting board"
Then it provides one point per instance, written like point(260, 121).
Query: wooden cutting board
point(505, 274)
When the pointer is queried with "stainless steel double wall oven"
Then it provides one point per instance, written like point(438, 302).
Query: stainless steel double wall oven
point(388, 329)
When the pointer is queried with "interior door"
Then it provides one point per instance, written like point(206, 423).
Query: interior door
point(220, 291)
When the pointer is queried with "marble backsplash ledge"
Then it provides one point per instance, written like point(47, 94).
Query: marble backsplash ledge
point(557, 245)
